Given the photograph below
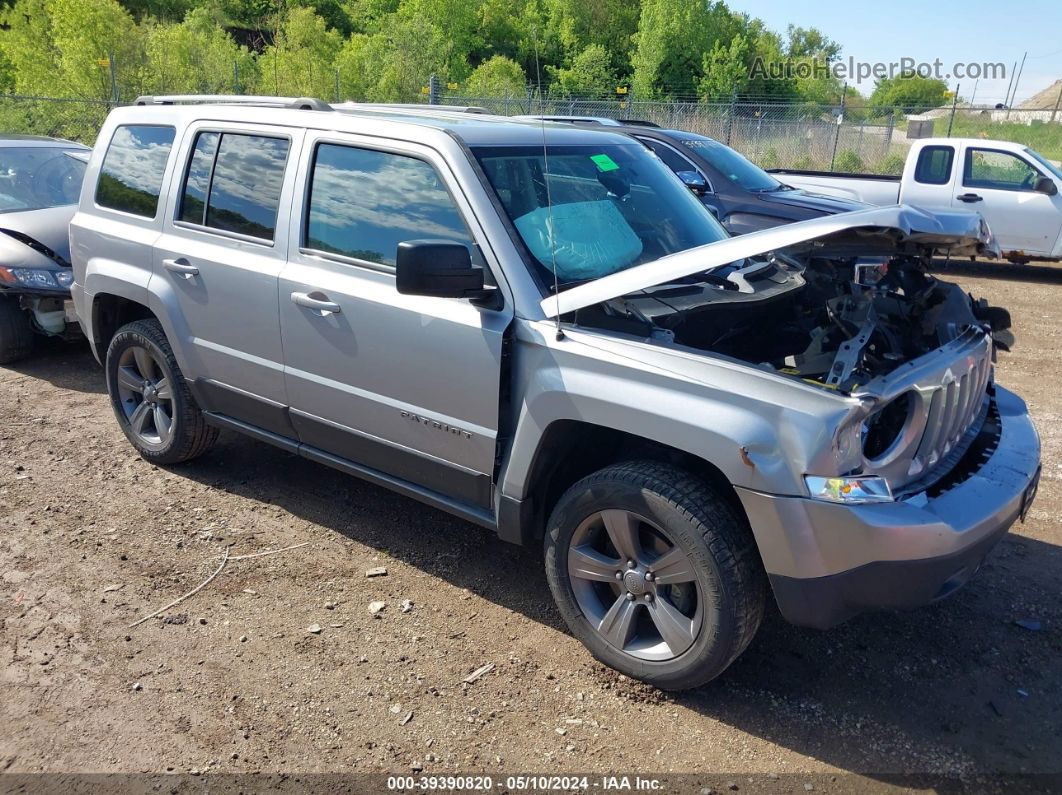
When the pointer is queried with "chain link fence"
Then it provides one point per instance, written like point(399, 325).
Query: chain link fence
point(773, 135)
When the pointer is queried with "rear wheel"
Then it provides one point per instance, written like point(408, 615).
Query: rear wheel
point(655, 574)
point(151, 399)
point(16, 331)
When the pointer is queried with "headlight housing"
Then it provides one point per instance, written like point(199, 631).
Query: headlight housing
point(37, 277)
point(851, 490)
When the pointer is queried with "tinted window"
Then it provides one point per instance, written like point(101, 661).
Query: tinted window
point(131, 176)
point(364, 203)
point(669, 156)
point(988, 168)
point(197, 180)
point(245, 190)
point(934, 165)
point(736, 168)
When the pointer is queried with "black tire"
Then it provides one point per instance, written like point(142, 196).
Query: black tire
point(188, 435)
point(721, 561)
point(16, 331)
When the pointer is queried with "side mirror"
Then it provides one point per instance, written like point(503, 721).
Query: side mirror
point(1046, 185)
point(694, 181)
point(439, 268)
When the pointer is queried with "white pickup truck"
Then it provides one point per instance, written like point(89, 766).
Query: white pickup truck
point(1016, 189)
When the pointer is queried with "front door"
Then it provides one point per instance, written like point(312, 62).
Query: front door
point(1002, 187)
point(404, 385)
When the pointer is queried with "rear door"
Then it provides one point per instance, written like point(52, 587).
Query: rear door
point(218, 260)
point(404, 385)
point(1001, 186)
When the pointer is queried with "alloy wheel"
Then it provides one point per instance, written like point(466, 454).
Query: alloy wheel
point(635, 585)
point(146, 396)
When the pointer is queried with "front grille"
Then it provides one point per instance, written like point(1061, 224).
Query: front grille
point(952, 409)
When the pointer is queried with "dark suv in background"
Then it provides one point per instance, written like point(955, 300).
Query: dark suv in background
point(742, 195)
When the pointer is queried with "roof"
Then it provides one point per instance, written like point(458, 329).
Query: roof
point(15, 139)
point(468, 125)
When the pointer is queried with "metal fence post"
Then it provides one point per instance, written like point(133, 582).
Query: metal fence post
point(954, 105)
point(433, 90)
point(730, 116)
point(114, 80)
point(840, 123)
point(530, 96)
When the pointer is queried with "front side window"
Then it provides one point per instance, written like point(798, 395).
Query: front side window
point(589, 211)
point(934, 165)
point(233, 183)
point(37, 177)
point(364, 202)
point(133, 168)
point(989, 168)
point(736, 168)
point(671, 158)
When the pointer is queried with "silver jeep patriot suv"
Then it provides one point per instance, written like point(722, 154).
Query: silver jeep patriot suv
point(542, 330)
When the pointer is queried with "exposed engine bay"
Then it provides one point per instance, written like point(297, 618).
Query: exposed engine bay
point(826, 316)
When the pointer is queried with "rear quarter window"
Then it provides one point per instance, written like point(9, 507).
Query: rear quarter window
point(934, 165)
point(131, 176)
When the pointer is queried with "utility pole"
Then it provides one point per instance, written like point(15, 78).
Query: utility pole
point(1013, 71)
point(1017, 79)
point(954, 105)
point(840, 121)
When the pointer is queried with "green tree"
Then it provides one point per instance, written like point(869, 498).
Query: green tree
point(392, 66)
point(725, 70)
point(590, 74)
point(497, 77)
point(811, 43)
point(908, 94)
point(301, 61)
point(672, 38)
point(197, 57)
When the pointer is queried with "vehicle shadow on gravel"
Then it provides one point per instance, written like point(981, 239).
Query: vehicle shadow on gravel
point(957, 686)
point(66, 365)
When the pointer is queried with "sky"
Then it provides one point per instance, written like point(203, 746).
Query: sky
point(955, 31)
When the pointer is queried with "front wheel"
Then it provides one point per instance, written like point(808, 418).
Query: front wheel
point(655, 574)
point(16, 330)
point(151, 399)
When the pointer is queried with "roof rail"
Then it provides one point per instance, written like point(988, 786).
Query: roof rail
point(422, 107)
point(604, 121)
point(297, 103)
point(638, 122)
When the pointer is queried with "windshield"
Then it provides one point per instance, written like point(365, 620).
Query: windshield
point(37, 177)
point(613, 207)
point(1039, 158)
point(743, 173)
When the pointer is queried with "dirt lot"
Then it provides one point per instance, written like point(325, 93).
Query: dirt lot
point(232, 680)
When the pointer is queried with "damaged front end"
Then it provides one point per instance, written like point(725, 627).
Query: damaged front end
point(853, 310)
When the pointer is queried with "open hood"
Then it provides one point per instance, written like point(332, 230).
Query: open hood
point(885, 230)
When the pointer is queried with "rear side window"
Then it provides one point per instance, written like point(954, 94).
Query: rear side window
point(934, 165)
point(131, 176)
point(363, 203)
point(233, 183)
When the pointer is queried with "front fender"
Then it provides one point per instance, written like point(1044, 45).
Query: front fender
point(762, 430)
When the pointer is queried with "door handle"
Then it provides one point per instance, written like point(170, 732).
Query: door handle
point(317, 301)
point(969, 198)
point(181, 267)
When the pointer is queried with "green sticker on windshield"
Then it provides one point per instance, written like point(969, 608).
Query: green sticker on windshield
point(604, 162)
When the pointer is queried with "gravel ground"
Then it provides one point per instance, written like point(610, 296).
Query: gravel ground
point(278, 665)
